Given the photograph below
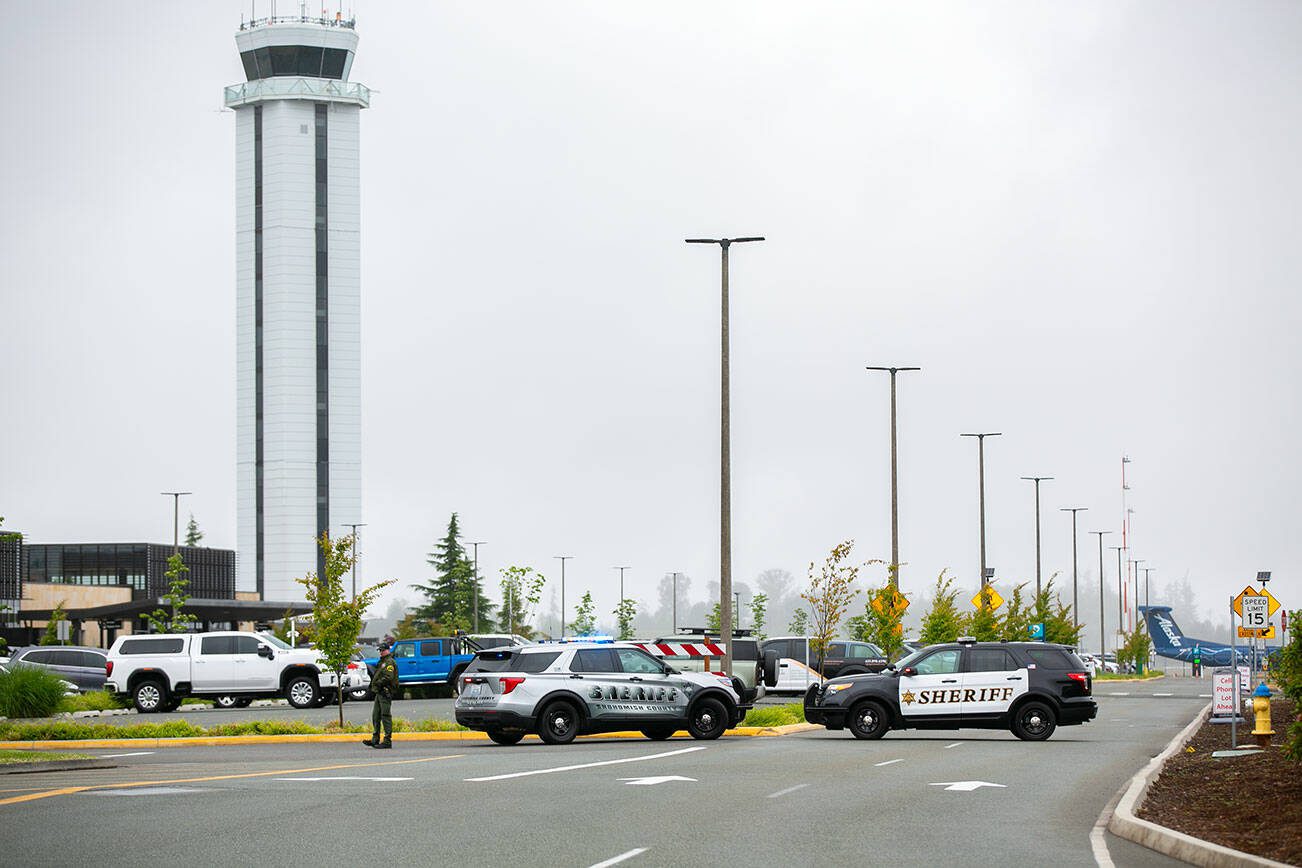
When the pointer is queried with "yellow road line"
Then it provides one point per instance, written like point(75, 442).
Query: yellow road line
point(63, 791)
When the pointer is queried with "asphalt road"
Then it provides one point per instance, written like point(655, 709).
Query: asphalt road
point(810, 797)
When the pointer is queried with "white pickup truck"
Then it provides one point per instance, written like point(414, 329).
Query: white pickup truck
point(158, 671)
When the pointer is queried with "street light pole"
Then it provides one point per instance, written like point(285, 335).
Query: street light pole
point(1147, 570)
point(1134, 569)
point(895, 489)
point(725, 454)
point(476, 585)
point(1037, 480)
point(674, 630)
point(1121, 590)
point(1103, 634)
point(1075, 565)
point(621, 584)
point(981, 488)
point(176, 516)
point(563, 559)
point(354, 528)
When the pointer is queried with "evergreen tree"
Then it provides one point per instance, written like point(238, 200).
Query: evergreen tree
point(172, 619)
point(943, 621)
point(1017, 617)
point(983, 624)
point(799, 625)
point(585, 618)
point(1055, 615)
point(450, 597)
point(192, 533)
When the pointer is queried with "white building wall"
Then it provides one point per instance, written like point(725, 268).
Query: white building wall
point(245, 374)
point(344, 214)
point(288, 345)
point(289, 339)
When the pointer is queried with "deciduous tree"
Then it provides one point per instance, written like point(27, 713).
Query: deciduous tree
point(337, 620)
point(829, 595)
point(521, 591)
point(585, 618)
point(58, 614)
point(624, 613)
point(759, 611)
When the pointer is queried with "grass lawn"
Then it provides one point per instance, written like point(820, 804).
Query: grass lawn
point(14, 757)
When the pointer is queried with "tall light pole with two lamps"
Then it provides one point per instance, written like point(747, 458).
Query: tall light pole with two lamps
point(895, 488)
point(725, 459)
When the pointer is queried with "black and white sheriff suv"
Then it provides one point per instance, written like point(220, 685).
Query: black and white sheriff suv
point(1029, 687)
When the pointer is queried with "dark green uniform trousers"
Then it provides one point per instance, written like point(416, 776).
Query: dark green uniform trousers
point(382, 714)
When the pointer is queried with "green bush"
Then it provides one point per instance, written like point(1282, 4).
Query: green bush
point(775, 715)
point(1286, 671)
point(64, 730)
point(95, 700)
point(29, 691)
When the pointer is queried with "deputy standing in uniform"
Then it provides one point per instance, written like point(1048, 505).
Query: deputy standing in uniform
point(384, 684)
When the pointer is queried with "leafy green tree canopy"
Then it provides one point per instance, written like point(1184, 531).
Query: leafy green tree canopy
point(943, 621)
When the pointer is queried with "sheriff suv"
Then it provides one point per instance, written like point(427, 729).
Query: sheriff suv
point(1028, 687)
point(561, 691)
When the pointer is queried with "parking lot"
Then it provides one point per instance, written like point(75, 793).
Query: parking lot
point(910, 799)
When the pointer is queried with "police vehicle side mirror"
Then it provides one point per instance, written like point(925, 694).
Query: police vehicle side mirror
point(265, 651)
point(669, 670)
point(908, 670)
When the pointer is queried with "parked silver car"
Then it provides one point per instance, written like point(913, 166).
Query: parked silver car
point(561, 691)
point(83, 666)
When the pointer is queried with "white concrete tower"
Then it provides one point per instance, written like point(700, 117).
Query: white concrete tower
point(298, 296)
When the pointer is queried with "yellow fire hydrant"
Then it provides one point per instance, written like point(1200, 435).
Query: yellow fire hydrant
point(1261, 708)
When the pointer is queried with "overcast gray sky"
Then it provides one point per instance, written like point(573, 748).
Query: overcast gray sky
point(1080, 219)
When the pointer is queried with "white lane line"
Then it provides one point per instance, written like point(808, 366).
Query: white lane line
point(621, 857)
point(116, 755)
point(1208, 695)
point(1114, 694)
point(955, 744)
point(888, 762)
point(1164, 694)
point(342, 778)
point(631, 759)
point(787, 790)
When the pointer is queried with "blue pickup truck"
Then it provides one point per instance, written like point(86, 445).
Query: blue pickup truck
point(432, 662)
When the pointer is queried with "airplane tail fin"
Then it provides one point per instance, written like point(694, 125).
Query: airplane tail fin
point(1168, 639)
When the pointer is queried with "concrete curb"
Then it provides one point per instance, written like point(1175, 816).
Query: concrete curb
point(1195, 851)
point(71, 765)
point(343, 737)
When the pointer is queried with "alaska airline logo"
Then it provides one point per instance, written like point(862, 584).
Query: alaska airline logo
point(1167, 628)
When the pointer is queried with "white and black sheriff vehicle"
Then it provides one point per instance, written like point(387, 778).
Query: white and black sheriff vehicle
point(1029, 687)
point(563, 690)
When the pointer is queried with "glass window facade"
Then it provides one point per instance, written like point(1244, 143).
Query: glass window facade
point(309, 61)
point(139, 566)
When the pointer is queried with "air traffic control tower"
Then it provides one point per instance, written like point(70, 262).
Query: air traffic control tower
point(298, 296)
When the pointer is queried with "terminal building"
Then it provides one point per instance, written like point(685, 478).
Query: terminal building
point(298, 296)
point(107, 588)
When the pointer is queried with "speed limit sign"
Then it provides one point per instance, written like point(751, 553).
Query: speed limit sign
point(1255, 613)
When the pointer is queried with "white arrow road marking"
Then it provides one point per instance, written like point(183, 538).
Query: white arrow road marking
point(631, 759)
point(342, 778)
point(888, 762)
point(955, 744)
point(137, 753)
point(787, 790)
point(967, 786)
point(620, 858)
point(652, 781)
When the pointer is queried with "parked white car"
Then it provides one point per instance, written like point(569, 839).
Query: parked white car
point(158, 671)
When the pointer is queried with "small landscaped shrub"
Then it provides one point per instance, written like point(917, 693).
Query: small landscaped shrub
point(28, 691)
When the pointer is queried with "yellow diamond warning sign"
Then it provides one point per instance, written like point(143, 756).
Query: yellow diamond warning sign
point(890, 601)
point(987, 598)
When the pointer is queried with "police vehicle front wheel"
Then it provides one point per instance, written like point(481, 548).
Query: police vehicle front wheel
point(868, 721)
point(559, 723)
point(506, 736)
point(1034, 721)
point(708, 719)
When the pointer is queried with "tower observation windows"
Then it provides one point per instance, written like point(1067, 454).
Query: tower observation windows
point(310, 61)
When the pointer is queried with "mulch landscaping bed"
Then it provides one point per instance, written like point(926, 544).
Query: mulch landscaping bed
point(1251, 803)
